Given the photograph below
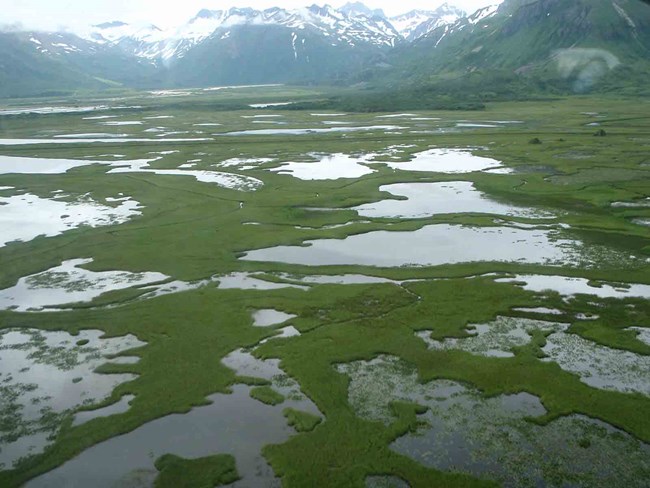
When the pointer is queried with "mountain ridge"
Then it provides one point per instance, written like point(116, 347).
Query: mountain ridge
point(556, 45)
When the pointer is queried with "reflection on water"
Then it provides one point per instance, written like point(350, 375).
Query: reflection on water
point(567, 286)
point(328, 167)
point(232, 423)
point(50, 216)
point(435, 245)
point(267, 317)
point(44, 376)
point(446, 161)
point(69, 283)
point(427, 199)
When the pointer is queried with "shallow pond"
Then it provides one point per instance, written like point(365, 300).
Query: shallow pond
point(232, 423)
point(267, 317)
point(430, 246)
point(427, 199)
point(567, 286)
point(69, 283)
point(441, 160)
point(328, 167)
point(10, 164)
point(50, 216)
point(22, 165)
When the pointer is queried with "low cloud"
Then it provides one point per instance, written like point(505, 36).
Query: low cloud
point(584, 65)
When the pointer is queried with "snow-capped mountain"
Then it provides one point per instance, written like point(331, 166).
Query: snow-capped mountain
point(325, 45)
point(439, 32)
point(352, 25)
point(418, 23)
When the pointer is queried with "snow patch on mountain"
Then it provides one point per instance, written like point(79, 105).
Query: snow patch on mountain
point(419, 23)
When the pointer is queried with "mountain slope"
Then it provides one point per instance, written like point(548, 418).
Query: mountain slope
point(577, 42)
point(352, 25)
point(269, 54)
point(27, 67)
point(518, 47)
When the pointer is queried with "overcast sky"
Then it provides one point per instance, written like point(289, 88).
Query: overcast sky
point(55, 14)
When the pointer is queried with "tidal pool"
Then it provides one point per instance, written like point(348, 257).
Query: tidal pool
point(328, 167)
point(430, 246)
point(50, 216)
point(441, 160)
point(462, 431)
point(268, 316)
point(568, 286)
point(44, 377)
point(427, 199)
point(67, 284)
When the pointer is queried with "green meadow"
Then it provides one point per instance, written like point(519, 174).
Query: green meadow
point(196, 231)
